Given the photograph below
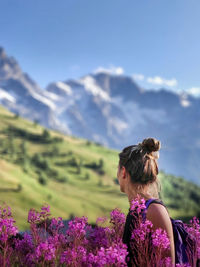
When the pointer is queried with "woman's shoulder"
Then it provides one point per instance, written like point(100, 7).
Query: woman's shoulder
point(158, 215)
point(157, 209)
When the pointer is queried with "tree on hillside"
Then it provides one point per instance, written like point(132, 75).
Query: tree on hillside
point(24, 155)
point(42, 180)
point(55, 151)
point(40, 162)
point(46, 135)
point(11, 149)
point(79, 165)
point(87, 176)
point(101, 167)
point(35, 123)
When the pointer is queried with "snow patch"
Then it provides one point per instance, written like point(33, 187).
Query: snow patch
point(118, 124)
point(44, 100)
point(184, 100)
point(5, 95)
point(185, 103)
point(64, 87)
point(90, 85)
point(51, 95)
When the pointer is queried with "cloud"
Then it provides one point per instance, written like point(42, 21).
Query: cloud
point(157, 80)
point(112, 70)
point(138, 77)
point(194, 91)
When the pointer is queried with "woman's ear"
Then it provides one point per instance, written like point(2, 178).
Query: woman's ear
point(124, 173)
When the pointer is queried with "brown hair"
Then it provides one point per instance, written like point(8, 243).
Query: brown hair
point(141, 161)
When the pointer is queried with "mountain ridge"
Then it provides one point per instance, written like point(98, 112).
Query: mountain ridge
point(112, 110)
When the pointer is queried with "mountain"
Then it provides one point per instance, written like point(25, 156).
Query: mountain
point(112, 110)
point(20, 94)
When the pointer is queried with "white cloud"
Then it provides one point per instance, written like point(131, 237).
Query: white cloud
point(138, 77)
point(112, 70)
point(194, 91)
point(157, 80)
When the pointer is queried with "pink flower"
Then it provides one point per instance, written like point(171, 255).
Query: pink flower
point(138, 204)
point(45, 251)
point(33, 216)
point(82, 245)
point(7, 227)
point(160, 239)
point(56, 224)
point(112, 256)
point(141, 232)
point(45, 211)
point(74, 256)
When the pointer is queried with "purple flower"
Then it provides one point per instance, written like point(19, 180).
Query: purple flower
point(100, 237)
point(77, 229)
point(45, 251)
point(33, 216)
point(56, 224)
point(7, 228)
point(138, 204)
point(160, 239)
point(45, 212)
point(114, 255)
point(83, 245)
point(74, 256)
point(141, 232)
point(117, 217)
point(25, 250)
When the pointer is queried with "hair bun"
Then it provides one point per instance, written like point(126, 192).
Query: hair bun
point(151, 144)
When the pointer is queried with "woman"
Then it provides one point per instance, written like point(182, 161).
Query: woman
point(137, 174)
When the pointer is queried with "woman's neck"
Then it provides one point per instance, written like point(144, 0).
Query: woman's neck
point(132, 194)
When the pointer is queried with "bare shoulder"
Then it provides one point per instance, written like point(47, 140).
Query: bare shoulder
point(159, 216)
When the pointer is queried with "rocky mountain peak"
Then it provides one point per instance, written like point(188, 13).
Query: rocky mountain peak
point(9, 67)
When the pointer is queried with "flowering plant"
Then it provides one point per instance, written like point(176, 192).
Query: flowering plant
point(150, 246)
point(50, 242)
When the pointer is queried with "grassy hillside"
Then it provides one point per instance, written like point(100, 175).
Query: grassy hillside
point(74, 176)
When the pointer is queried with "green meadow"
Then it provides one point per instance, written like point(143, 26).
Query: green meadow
point(74, 176)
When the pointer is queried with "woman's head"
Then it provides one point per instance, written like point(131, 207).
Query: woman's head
point(138, 163)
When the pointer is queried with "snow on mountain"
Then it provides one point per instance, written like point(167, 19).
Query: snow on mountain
point(112, 110)
point(44, 100)
point(66, 88)
point(91, 86)
point(22, 95)
point(184, 100)
point(52, 96)
point(59, 89)
point(5, 96)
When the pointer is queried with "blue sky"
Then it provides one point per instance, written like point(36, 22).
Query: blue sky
point(155, 41)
